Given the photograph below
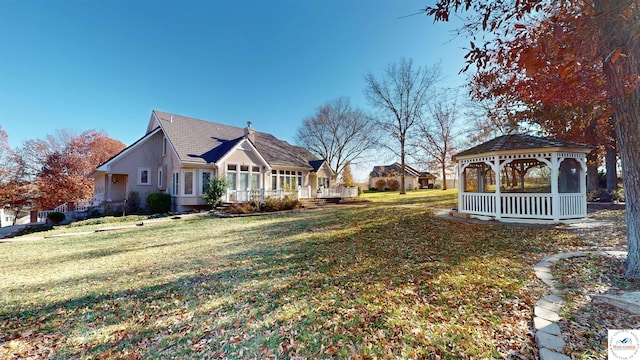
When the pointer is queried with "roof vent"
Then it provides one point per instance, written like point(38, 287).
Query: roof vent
point(171, 118)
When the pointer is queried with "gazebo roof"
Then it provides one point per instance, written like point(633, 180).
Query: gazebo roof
point(518, 142)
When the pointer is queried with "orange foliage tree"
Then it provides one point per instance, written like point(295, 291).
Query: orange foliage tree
point(64, 174)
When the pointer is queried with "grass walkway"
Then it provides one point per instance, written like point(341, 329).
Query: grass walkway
point(378, 280)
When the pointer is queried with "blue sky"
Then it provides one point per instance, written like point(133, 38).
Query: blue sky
point(106, 64)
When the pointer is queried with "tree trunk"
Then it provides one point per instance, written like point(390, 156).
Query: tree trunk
point(403, 189)
point(444, 175)
point(619, 34)
point(611, 162)
point(593, 179)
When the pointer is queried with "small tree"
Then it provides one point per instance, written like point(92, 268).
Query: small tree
point(214, 191)
point(347, 177)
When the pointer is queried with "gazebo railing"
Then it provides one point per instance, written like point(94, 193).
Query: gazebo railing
point(572, 205)
point(478, 203)
point(533, 206)
point(523, 205)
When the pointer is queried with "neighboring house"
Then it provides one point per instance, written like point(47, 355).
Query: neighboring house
point(8, 216)
point(179, 155)
point(414, 179)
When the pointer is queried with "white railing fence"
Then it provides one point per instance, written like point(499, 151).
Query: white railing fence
point(523, 205)
point(69, 211)
point(303, 192)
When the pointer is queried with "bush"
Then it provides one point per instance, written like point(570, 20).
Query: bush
point(394, 185)
point(381, 184)
point(133, 202)
point(158, 203)
point(56, 217)
point(214, 191)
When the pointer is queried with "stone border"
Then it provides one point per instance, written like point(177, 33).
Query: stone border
point(546, 317)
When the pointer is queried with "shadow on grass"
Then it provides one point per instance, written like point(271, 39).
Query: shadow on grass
point(334, 283)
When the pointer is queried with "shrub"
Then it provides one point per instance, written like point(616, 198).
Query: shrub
point(158, 203)
point(56, 217)
point(381, 184)
point(241, 208)
point(133, 202)
point(214, 191)
point(290, 203)
point(271, 204)
point(394, 185)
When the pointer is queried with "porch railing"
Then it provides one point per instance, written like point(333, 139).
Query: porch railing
point(300, 193)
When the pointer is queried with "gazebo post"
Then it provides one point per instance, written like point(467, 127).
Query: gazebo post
point(555, 195)
point(496, 171)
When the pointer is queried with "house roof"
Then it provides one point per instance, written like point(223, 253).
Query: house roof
point(383, 170)
point(201, 141)
point(518, 142)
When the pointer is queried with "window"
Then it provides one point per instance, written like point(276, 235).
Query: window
point(232, 176)
point(244, 177)
point(255, 178)
point(160, 177)
point(164, 146)
point(188, 182)
point(205, 178)
point(144, 176)
point(274, 179)
point(323, 182)
point(176, 184)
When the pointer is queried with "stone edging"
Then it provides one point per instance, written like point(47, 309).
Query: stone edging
point(546, 317)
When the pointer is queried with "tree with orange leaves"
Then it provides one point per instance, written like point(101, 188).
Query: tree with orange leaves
point(64, 178)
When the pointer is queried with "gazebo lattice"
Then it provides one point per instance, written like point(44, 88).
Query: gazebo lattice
point(493, 179)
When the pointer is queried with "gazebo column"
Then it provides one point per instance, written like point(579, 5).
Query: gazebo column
point(555, 195)
point(461, 184)
point(496, 172)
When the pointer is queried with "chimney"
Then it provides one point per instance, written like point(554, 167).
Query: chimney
point(250, 132)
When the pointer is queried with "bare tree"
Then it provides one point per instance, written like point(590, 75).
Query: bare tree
point(338, 133)
point(400, 97)
point(436, 134)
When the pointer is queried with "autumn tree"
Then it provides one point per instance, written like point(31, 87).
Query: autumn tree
point(64, 175)
point(337, 133)
point(16, 192)
point(347, 176)
point(570, 107)
point(609, 26)
point(436, 133)
point(400, 98)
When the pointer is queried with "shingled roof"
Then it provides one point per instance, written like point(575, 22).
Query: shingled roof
point(200, 141)
point(517, 142)
point(383, 170)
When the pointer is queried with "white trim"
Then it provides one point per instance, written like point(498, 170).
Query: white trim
point(183, 188)
point(200, 180)
point(160, 176)
point(139, 177)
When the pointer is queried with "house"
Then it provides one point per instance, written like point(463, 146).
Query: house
point(179, 155)
point(8, 217)
point(414, 179)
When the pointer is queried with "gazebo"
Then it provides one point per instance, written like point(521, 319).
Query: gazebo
point(523, 178)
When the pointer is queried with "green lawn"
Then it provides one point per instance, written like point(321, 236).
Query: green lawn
point(363, 281)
